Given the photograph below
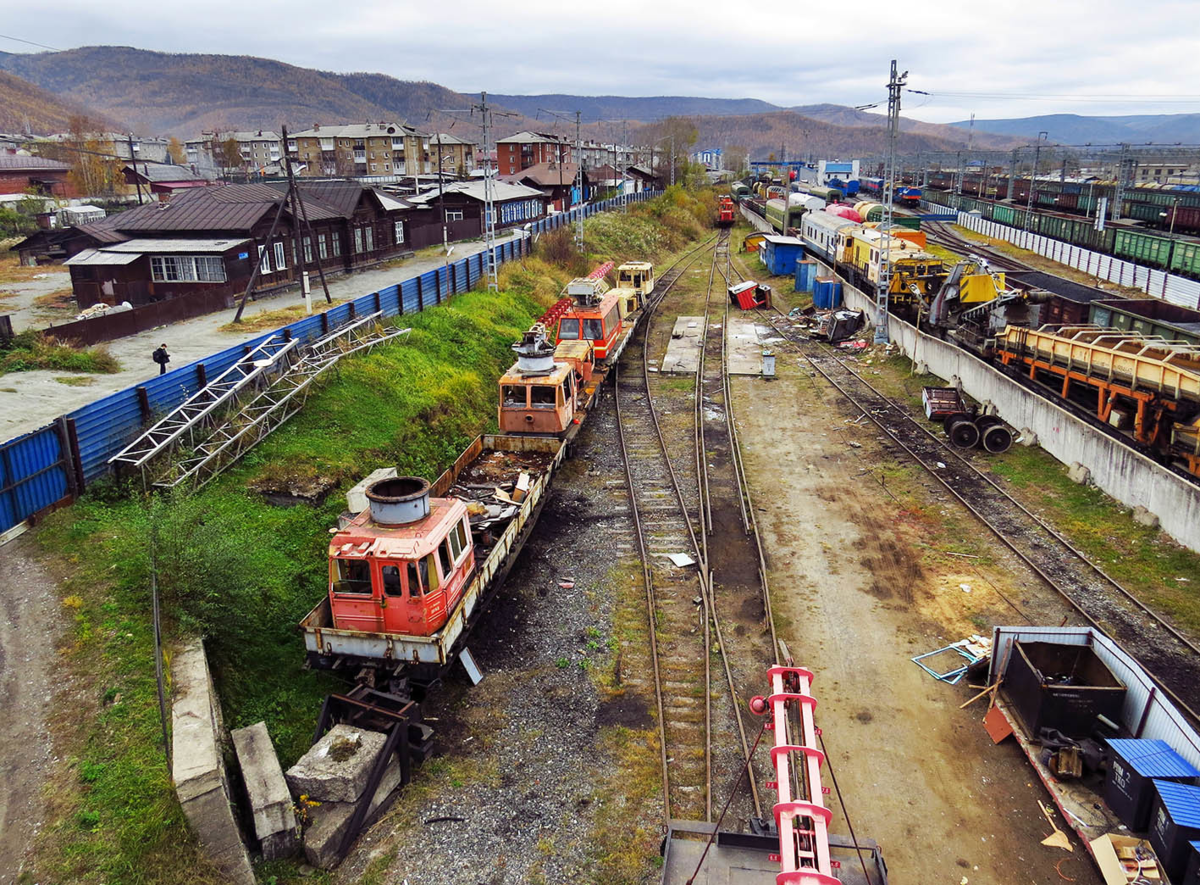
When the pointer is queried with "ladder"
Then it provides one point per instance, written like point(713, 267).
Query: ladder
point(249, 423)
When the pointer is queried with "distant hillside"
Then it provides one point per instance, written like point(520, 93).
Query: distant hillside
point(1079, 129)
point(840, 115)
point(183, 94)
point(24, 108)
point(616, 107)
point(763, 134)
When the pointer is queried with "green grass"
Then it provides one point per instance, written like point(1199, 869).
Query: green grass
point(243, 572)
point(32, 350)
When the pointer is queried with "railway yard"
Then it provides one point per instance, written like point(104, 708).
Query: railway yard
point(709, 547)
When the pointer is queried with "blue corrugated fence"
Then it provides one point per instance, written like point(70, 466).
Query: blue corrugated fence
point(41, 468)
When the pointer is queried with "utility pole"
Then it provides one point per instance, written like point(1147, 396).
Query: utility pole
point(1012, 176)
point(1037, 154)
point(579, 159)
point(133, 163)
point(672, 160)
point(1123, 164)
point(624, 166)
point(489, 201)
point(442, 203)
point(895, 85)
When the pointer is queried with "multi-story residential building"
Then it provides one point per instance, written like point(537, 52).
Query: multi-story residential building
point(527, 149)
point(360, 149)
point(260, 151)
point(449, 153)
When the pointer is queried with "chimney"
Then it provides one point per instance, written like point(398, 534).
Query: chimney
point(316, 127)
point(398, 501)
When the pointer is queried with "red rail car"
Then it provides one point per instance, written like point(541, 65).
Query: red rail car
point(725, 212)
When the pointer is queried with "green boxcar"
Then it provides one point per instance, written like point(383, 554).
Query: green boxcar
point(1004, 214)
point(1186, 258)
point(1151, 212)
point(1143, 248)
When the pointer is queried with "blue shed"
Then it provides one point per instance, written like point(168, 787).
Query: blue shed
point(780, 253)
point(1135, 764)
point(1174, 824)
point(1192, 876)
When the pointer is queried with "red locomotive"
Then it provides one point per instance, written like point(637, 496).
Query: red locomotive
point(594, 316)
point(725, 212)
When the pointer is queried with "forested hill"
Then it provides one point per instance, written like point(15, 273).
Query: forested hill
point(24, 108)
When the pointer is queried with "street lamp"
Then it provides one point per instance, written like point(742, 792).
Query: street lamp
point(1174, 213)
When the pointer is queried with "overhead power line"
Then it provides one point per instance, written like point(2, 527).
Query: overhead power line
point(31, 43)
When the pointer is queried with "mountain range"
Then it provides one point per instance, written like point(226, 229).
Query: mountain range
point(1078, 130)
point(182, 94)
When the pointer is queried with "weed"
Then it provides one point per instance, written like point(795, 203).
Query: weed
point(32, 350)
point(562, 663)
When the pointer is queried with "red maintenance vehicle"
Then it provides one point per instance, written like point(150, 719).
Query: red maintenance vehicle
point(725, 211)
point(593, 313)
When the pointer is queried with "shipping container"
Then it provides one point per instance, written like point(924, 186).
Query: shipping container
point(1135, 764)
point(1174, 825)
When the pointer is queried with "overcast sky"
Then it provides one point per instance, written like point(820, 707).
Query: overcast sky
point(1018, 58)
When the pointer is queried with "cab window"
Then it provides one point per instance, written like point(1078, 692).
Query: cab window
point(566, 390)
point(568, 329)
point(446, 556)
point(455, 540)
point(611, 320)
point(514, 395)
point(413, 572)
point(429, 573)
point(391, 580)
point(592, 330)
point(352, 576)
point(541, 396)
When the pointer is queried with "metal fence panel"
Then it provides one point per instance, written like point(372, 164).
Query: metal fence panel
point(33, 475)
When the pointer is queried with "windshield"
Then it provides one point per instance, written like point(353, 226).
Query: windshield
point(592, 330)
point(568, 329)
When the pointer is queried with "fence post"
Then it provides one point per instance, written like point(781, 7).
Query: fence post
point(420, 293)
point(202, 372)
point(70, 467)
point(378, 303)
point(143, 402)
point(76, 460)
point(453, 278)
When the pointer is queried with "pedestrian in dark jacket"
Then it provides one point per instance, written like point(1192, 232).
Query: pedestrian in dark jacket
point(161, 357)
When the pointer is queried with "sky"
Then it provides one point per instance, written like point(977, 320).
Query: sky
point(1013, 59)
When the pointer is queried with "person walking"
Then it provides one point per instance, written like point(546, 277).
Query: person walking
point(161, 357)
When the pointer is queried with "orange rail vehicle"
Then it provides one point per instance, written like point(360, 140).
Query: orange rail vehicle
point(725, 212)
point(595, 316)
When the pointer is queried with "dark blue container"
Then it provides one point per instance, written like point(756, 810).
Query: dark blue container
point(1174, 825)
point(780, 254)
point(1192, 876)
point(1135, 764)
point(806, 274)
point(827, 293)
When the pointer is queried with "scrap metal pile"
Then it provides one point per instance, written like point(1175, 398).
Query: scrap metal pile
point(833, 326)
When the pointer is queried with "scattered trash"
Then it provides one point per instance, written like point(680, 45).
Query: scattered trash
point(860, 344)
point(971, 650)
point(855, 445)
point(567, 585)
point(681, 559)
point(941, 466)
point(965, 588)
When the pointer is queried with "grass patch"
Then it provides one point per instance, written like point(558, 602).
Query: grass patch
point(59, 301)
point(75, 380)
point(31, 350)
point(243, 572)
point(12, 271)
point(267, 320)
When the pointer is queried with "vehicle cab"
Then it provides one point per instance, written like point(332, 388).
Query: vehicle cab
point(594, 316)
point(539, 393)
point(403, 563)
point(635, 282)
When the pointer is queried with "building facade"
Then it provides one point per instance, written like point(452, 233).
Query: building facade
point(261, 151)
point(451, 155)
point(360, 149)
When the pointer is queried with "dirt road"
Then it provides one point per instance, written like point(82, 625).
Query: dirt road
point(27, 656)
point(857, 595)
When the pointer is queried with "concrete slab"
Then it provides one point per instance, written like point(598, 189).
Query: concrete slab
point(745, 341)
point(683, 352)
point(336, 768)
point(330, 819)
point(270, 802)
point(198, 768)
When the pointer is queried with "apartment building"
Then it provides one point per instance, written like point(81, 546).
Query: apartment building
point(260, 150)
point(449, 153)
point(360, 149)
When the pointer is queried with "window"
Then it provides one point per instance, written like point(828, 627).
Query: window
point(308, 250)
point(372, 167)
point(358, 239)
point(429, 573)
point(454, 215)
point(391, 580)
point(337, 244)
point(399, 232)
point(612, 320)
point(265, 260)
point(352, 576)
point(445, 558)
point(370, 237)
point(568, 329)
point(280, 264)
point(322, 246)
point(592, 330)
point(187, 268)
point(541, 396)
point(513, 396)
point(458, 541)
point(413, 571)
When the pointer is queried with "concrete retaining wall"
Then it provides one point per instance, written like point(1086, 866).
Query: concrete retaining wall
point(1128, 476)
point(198, 768)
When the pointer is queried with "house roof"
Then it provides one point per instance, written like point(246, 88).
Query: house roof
point(447, 138)
point(141, 246)
point(158, 173)
point(102, 231)
point(21, 163)
point(235, 207)
point(501, 191)
point(528, 137)
point(358, 130)
point(97, 256)
point(546, 174)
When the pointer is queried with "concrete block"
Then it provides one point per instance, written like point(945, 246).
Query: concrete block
point(198, 767)
point(336, 768)
point(1027, 437)
point(1078, 473)
point(330, 819)
point(1142, 516)
point(270, 802)
point(921, 368)
point(356, 498)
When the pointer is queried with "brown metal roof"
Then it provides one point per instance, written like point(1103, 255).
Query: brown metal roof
point(19, 163)
point(235, 207)
point(545, 174)
point(342, 197)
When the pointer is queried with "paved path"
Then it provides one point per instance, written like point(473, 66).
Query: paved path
point(29, 400)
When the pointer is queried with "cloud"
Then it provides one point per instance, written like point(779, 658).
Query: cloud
point(1021, 58)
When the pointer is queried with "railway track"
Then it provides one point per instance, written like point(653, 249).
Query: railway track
point(943, 236)
point(676, 597)
point(1167, 654)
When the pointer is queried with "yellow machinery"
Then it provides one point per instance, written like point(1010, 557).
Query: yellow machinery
point(635, 282)
point(915, 272)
